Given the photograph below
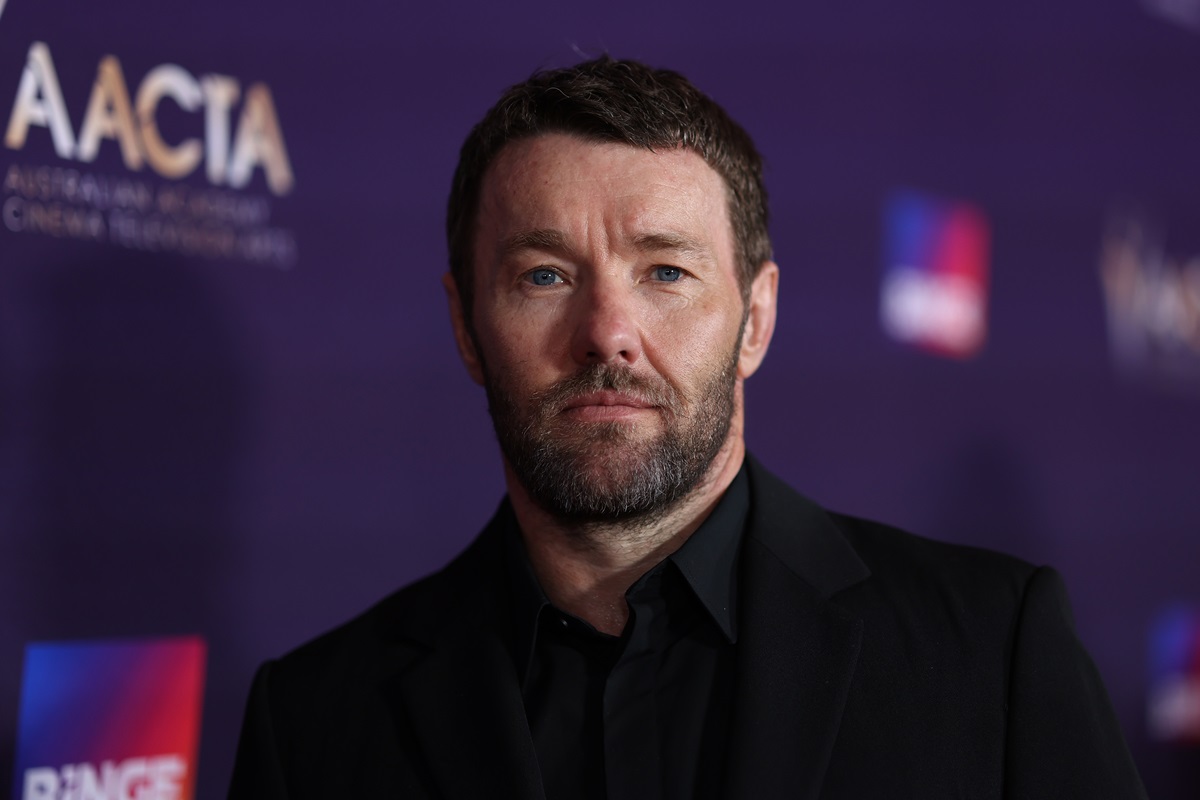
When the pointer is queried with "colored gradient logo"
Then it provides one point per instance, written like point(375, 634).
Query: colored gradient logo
point(110, 720)
point(935, 281)
point(1173, 713)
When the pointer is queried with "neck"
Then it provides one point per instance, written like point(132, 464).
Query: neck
point(586, 568)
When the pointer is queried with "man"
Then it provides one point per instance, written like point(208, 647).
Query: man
point(651, 614)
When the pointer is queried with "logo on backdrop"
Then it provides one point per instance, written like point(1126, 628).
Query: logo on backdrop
point(1153, 303)
point(1173, 713)
point(110, 720)
point(935, 279)
point(1185, 13)
point(236, 136)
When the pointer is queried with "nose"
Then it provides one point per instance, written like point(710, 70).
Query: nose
point(605, 326)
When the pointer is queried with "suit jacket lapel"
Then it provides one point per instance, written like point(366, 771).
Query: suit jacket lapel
point(797, 649)
point(458, 690)
point(465, 704)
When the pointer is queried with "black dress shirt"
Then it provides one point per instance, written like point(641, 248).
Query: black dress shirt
point(644, 714)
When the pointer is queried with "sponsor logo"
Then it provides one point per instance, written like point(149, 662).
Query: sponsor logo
point(1153, 302)
point(110, 720)
point(1173, 712)
point(235, 135)
point(158, 778)
point(935, 280)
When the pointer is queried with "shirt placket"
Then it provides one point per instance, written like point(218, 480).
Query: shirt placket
point(632, 743)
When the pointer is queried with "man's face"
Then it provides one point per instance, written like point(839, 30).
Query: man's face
point(607, 321)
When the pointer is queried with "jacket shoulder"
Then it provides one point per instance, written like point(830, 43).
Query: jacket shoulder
point(955, 608)
point(896, 556)
point(837, 553)
point(379, 640)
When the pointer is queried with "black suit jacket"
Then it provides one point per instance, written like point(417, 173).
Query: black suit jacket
point(870, 664)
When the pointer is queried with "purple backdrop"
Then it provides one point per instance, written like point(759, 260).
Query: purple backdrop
point(254, 443)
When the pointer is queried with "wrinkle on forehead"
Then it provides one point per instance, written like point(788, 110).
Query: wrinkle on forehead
point(537, 197)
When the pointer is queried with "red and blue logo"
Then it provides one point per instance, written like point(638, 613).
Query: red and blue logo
point(110, 720)
point(935, 282)
point(1173, 711)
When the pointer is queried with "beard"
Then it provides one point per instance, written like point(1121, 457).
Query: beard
point(605, 472)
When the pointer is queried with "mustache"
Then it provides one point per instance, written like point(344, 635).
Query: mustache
point(607, 378)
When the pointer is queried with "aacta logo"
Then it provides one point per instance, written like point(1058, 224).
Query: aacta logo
point(230, 154)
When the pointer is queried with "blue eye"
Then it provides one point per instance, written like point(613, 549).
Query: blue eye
point(668, 274)
point(543, 277)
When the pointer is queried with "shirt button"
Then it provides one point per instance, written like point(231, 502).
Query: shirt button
point(563, 622)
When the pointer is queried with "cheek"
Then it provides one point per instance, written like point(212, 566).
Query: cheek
point(688, 347)
point(517, 340)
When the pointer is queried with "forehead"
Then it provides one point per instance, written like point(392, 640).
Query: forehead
point(582, 188)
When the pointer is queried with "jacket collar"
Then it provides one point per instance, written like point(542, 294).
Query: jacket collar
point(801, 534)
point(799, 648)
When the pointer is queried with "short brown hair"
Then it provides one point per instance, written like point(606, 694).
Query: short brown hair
point(627, 102)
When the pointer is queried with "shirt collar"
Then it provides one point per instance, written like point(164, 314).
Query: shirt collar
point(707, 561)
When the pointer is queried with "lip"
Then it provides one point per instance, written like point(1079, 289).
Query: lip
point(606, 406)
point(613, 400)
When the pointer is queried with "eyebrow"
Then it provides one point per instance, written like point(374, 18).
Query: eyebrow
point(555, 241)
point(539, 239)
point(671, 242)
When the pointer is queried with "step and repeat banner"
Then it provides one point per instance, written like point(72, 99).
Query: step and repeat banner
point(232, 415)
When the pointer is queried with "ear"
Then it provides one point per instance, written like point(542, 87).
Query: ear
point(462, 332)
point(760, 321)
